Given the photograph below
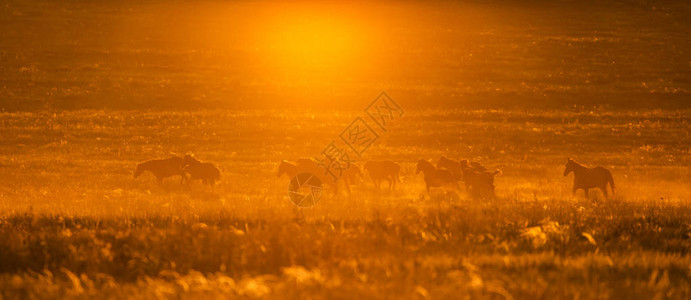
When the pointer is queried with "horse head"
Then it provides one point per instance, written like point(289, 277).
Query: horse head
point(138, 171)
point(569, 167)
point(355, 173)
point(423, 166)
point(188, 160)
point(282, 168)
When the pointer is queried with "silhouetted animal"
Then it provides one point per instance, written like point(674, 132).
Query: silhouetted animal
point(477, 176)
point(586, 178)
point(436, 177)
point(480, 183)
point(453, 166)
point(305, 165)
point(330, 173)
point(383, 170)
point(288, 168)
point(473, 165)
point(162, 168)
point(351, 176)
point(204, 171)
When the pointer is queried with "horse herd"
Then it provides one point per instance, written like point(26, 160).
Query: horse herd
point(447, 174)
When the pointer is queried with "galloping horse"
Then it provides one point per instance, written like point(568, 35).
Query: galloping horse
point(436, 177)
point(453, 166)
point(383, 170)
point(586, 178)
point(204, 171)
point(478, 180)
point(302, 165)
point(307, 165)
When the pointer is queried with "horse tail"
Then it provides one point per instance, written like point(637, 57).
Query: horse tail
point(610, 180)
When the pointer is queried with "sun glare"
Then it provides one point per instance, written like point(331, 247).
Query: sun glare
point(312, 41)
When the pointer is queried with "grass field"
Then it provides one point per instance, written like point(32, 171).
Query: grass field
point(75, 223)
point(88, 89)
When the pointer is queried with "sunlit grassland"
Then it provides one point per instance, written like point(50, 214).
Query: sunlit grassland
point(604, 82)
point(74, 222)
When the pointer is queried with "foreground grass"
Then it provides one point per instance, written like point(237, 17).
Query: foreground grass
point(549, 249)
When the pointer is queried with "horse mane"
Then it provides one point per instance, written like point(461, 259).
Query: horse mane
point(576, 162)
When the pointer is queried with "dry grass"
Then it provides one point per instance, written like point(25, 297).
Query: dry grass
point(74, 223)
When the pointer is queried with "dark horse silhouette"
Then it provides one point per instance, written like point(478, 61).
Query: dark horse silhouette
point(436, 177)
point(162, 168)
point(586, 178)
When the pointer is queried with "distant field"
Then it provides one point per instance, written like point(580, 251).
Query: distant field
point(73, 221)
point(245, 54)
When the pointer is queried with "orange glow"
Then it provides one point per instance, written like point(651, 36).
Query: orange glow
point(315, 42)
point(312, 42)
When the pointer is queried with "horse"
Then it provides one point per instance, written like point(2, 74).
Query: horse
point(383, 170)
point(204, 171)
point(435, 177)
point(480, 182)
point(303, 165)
point(332, 173)
point(306, 165)
point(476, 176)
point(162, 168)
point(288, 168)
point(473, 165)
point(351, 176)
point(586, 178)
point(453, 166)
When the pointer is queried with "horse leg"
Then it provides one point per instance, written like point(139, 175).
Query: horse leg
point(604, 190)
